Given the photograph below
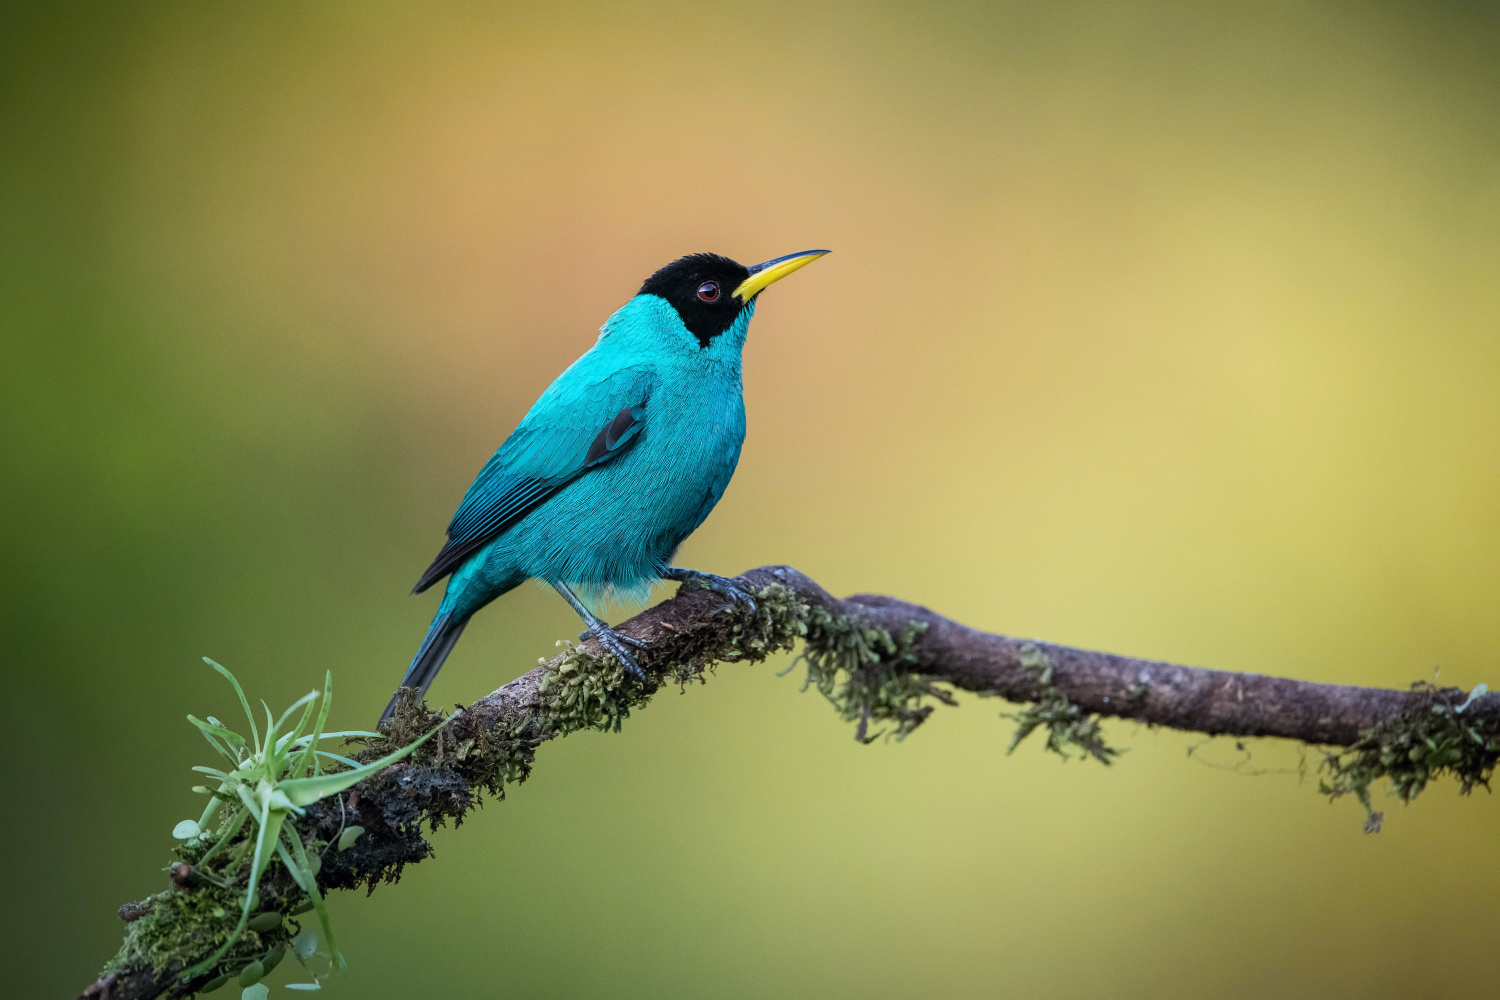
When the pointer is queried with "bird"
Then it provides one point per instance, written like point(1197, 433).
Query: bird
point(615, 465)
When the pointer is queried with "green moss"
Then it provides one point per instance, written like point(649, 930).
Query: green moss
point(486, 762)
point(867, 674)
point(580, 690)
point(198, 914)
point(1430, 739)
point(1068, 726)
point(187, 922)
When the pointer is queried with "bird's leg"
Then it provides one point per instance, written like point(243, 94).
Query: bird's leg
point(718, 584)
point(614, 642)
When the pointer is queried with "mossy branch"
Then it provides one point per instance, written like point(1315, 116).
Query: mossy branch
point(882, 662)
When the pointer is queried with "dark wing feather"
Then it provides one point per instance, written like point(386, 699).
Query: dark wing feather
point(553, 446)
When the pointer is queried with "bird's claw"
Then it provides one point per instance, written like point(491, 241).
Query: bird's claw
point(629, 640)
point(718, 584)
point(614, 643)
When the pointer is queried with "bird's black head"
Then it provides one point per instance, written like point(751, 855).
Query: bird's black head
point(701, 288)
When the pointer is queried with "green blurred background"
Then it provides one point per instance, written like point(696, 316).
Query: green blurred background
point(1172, 330)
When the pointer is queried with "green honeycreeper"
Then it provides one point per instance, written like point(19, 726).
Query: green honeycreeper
point(616, 464)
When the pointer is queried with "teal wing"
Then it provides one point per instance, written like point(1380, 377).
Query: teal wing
point(572, 428)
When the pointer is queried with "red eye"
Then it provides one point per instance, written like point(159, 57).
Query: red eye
point(709, 291)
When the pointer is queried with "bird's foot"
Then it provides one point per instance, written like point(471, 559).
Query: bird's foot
point(615, 643)
point(588, 634)
point(718, 584)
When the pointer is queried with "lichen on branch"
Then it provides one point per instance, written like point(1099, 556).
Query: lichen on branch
point(583, 689)
point(1434, 736)
point(867, 674)
point(1069, 728)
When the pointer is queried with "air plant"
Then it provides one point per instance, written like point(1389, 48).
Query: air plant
point(269, 780)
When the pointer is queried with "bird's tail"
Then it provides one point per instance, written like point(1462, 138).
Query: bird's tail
point(445, 630)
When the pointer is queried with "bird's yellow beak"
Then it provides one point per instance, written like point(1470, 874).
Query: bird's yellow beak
point(773, 271)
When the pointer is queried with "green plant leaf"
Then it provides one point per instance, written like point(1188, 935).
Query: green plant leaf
point(186, 830)
point(215, 800)
point(296, 862)
point(346, 761)
point(346, 734)
point(244, 702)
point(236, 823)
point(252, 974)
point(265, 746)
point(219, 748)
point(306, 704)
point(267, 921)
point(215, 729)
point(307, 760)
point(304, 944)
point(348, 837)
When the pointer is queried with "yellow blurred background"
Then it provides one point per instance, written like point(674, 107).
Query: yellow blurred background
point(1168, 329)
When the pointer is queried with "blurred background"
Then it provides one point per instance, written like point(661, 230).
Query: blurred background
point(1165, 329)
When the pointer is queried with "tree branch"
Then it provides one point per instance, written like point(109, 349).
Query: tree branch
point(879, 660)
